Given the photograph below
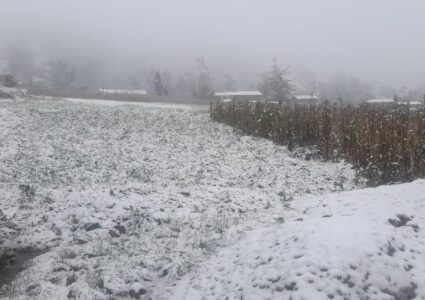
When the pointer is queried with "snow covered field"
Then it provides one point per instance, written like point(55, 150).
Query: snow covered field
point(364, 244)
point(155, 201)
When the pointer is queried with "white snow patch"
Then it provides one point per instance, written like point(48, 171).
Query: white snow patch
point(364, 244)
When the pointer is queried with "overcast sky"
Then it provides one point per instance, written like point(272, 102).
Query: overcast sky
point(378, 40)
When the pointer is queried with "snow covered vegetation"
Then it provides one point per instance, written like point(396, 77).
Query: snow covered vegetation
point(108, 200)
point(385, 144)
point(12, 93)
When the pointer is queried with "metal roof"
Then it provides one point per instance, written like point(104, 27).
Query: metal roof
point(305, 97)
point(125, 92)
point(239, 93)
point(383, 100)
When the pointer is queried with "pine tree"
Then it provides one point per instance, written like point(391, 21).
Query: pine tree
point(158, 85)
point(167, 82)
point(275, 85)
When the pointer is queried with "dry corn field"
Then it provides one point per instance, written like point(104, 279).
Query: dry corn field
point(385, 145)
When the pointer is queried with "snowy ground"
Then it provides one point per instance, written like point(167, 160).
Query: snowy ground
point(128, 198)
point(364, 244)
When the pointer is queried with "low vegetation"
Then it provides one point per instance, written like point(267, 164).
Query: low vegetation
point(384, 144)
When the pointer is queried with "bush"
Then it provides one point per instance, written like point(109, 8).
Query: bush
point(8, 80)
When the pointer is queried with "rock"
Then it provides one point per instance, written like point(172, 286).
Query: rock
point(92, 226)
point(137, 290)
point(164, 273)
point(121, 229)
point(148, 277)
point(72, 294)
point(280, 220)
point(134, 294)
point(113, 233)
point(81, 241)
point(57, 231)
point(122, 293)
point(33, 289)
point(291, 286)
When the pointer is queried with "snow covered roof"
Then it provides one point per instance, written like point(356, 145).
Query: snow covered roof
point(410, 103)
point(239, 93)
point(383, 100)
point(124, 92)
point(305, 97)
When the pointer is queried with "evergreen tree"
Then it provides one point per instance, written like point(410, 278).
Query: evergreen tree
point(158, 85)
point(274, 84)
point(166, 82)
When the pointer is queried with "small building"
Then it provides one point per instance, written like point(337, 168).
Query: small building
point(239, 96)
point(385, 102)
point(305, 99)
point(413, 105)
point(123, 92)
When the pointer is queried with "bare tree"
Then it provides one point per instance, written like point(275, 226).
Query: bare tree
point(204, 87)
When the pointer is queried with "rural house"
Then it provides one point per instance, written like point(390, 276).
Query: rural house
point(413, 105)
point(305, 99)
point(239, 96)
point(383, 102)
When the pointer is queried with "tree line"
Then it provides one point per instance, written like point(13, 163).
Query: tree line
point(275, 82)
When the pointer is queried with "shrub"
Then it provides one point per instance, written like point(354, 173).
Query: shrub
point(8, 80)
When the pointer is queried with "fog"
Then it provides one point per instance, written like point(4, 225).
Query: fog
point(380, 41)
